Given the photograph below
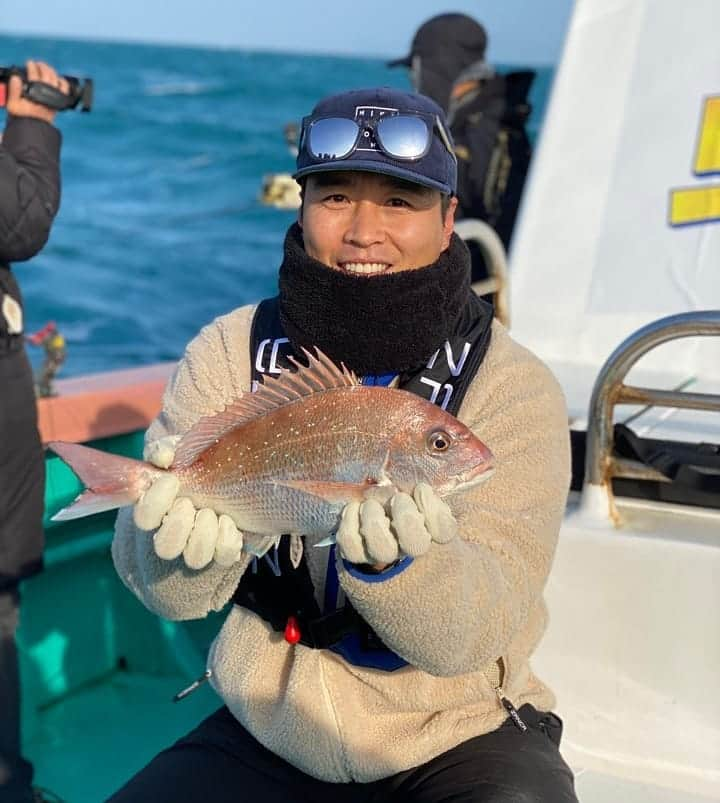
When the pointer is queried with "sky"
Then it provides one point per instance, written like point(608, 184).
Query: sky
point(520, 31)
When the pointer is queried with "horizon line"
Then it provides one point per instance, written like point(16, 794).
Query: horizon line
point(215, 46)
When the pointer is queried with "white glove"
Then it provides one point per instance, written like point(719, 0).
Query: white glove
point(200, 536)
point(367, 534)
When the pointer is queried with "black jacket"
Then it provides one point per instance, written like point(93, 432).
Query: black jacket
point(29, 200)
point(29, 194)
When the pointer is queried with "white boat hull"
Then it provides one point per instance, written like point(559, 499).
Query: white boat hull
point(633, 647)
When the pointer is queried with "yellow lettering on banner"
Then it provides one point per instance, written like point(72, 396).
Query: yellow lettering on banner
point(707, 158)
point(690, 205)
point(696, 205)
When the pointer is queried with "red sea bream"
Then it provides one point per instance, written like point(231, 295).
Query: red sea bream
point(287, 458)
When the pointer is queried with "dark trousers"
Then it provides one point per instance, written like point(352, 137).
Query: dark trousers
point(15, 773)
point(221, 762)
point(22, 472)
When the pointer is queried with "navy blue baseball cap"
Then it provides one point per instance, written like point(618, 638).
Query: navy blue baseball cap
point(435, 167)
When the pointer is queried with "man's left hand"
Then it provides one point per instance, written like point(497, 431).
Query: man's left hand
point(372, 534)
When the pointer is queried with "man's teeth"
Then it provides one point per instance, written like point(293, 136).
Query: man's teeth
point(365, 267)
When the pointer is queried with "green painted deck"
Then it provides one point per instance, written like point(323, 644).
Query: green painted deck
point(99, 670)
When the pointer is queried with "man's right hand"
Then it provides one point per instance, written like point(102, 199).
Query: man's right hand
point(200, 536)
point(18, 106)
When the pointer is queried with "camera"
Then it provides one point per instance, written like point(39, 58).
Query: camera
point(80, 91)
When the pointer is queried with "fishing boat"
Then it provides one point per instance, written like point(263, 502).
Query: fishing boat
point(614, 283)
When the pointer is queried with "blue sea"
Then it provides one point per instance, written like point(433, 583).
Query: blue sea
point(160, 229)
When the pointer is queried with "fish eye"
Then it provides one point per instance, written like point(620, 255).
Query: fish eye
point(438, 441)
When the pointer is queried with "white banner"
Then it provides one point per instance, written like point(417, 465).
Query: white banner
point(621, 219)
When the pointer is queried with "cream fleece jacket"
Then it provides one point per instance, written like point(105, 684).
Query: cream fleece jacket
point(466, 616)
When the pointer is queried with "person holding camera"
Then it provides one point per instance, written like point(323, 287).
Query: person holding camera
point(29, 201)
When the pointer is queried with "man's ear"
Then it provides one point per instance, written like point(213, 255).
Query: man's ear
point(449, 222)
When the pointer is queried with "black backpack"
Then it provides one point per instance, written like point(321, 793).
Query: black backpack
point(488, 126)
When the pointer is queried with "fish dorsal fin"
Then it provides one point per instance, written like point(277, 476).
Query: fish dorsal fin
point(320, 375)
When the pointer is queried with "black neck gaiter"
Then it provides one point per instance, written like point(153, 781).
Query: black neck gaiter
point(375, 325)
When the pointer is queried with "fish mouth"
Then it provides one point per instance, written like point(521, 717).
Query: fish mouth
point(476, 476)
point(475, 479)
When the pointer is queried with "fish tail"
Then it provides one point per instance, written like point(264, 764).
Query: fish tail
point(111, 481)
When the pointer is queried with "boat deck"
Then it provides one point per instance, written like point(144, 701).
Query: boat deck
point(593, 787)
point(87, 745)
point(128, 718)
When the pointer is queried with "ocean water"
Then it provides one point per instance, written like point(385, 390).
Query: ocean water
point(160, 230)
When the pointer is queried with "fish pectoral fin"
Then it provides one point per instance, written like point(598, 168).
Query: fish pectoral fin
point(329, 491)
point(380, 493)
point(329, 540)
point(257, 545)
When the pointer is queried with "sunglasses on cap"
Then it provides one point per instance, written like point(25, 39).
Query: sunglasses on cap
point(402, 136)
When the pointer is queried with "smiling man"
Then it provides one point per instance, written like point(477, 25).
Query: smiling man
point(393, 664)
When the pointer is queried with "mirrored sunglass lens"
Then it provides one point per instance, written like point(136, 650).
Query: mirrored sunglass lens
point(406, 137)
point(332, 138)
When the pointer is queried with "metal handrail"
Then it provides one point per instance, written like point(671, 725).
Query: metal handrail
point(609, 391)
point(493, 252)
